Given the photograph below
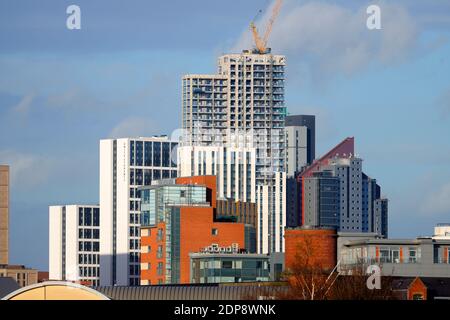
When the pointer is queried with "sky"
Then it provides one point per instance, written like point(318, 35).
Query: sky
point(62, 90)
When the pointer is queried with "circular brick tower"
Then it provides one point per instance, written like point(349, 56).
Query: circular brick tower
point(319, 243)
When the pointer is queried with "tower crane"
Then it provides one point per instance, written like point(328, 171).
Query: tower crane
point(261, 43)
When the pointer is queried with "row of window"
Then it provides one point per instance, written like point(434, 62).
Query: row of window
point(134, 281)
point(159, 267)
point(134, 232)
point(233, 264)
point(145, 282)
point(383, 255)
point(135, 218)
point(85, 272)
point(134, 257)
point(157, 154)
point(144, 177)
point(88, 233)
point(86, 246)
point(89, 217)
point(134, 244)
point(88, 258)
point(134, 270)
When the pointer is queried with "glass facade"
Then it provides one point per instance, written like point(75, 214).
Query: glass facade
point(380, 254)
point(149, 160)
point(89, 244)
point(215, 268)
point(156, 201)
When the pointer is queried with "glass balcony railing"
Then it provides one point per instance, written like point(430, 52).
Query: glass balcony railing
point(380, 260)
point(441, 260)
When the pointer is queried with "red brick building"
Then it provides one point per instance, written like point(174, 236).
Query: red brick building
point(186, 228)
point(421, 288)
point(320, 242)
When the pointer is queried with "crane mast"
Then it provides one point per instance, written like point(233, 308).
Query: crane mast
point(261, 43)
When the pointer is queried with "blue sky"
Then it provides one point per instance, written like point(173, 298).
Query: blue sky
point(61, 91)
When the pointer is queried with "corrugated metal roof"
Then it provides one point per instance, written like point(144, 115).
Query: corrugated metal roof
point(7, 285)
point(186, 292)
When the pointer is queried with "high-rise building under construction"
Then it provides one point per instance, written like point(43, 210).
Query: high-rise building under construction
point(241, 108)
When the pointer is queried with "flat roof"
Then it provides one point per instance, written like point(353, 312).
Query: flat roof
point(228, 255)
point(416, 241)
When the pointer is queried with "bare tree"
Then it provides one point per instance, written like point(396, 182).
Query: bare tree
point(354, 287)
point(309, 279)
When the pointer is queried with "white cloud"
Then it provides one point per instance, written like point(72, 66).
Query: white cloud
point(26, 170)
point(437, 201)
point(134, 127)
point(334, 39)
point(75, 100)
point(23, 107)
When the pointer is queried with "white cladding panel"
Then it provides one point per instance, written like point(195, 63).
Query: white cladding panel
point(55, 243)
point(123, 209)
point(106, 211)
point(72, 243)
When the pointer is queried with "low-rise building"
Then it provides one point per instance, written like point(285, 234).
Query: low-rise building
point(22, 275)
point(213, 266)
point(178, 218)
point(421, 288)
point(420, 257)
point(74, 243)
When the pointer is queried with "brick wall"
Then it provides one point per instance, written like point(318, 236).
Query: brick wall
point(321, 242)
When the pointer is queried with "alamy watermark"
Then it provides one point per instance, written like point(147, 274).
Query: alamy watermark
point(73, 21)
point(374, 280)
point(373, 21)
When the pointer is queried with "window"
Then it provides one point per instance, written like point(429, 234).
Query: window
point(160, 234)
point(160, 269)
point(159, 253)
point(384, 255)
point(148, 153)
point(395, 256)
point(87, 233)
point(96, 217)
point(214, 232)
point(227, 264)
point(157, 154)
point(417, 296)
point(147, 177)
point(412, 255)
point(87, 217)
